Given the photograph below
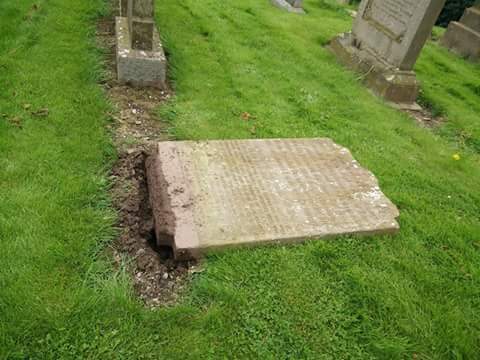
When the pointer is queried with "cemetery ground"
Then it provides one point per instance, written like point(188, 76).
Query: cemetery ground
point(239, 69)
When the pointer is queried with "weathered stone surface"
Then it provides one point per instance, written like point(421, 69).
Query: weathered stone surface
point(396, 30)
point(296, 3)
point(143, 9)
point(142, 34)
point(141, 25)
point(294, 6)
point(138, 67)
point(387, 37)
point(398, 87)
point(217, 194)
point(140, 57)
point(124, 8)
point(463, 37)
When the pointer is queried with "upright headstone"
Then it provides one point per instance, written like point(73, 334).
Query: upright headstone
point(386, 40)
point(140, 57)
point(463, 37)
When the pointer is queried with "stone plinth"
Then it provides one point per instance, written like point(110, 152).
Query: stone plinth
point(138, 67)
point(216, 194)
point(294, 6)
point(463, 37)
point(140, 57)
point(386, 40)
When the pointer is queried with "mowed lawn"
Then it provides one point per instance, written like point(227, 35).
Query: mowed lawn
point(415, 295)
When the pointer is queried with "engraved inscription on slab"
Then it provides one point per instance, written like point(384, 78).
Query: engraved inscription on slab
point(255, 191)
point(391, 16)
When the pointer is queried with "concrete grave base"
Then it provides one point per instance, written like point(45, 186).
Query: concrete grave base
point(462, 40)
point(217, 194)
point(294, 7)
point(398, 87)
point(137, 67)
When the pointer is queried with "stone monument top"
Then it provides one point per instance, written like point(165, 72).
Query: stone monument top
point(384, 44)
point(396, 30)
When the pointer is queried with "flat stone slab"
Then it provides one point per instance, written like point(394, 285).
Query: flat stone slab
point(215, 194)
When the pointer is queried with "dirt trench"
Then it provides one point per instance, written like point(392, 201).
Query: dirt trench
point(136, 128)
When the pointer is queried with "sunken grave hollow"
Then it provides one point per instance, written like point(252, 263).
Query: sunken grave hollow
point(216, 194)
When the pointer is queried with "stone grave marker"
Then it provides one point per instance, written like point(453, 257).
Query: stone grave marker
point(386, 40)
point(141, 60)
point(140, 19)
point(295, 6)
point(463, 37)
point(296, 3)
point(215, 194)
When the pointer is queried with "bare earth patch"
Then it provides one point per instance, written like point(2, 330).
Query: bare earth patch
point(425, 118)
point(158, 279)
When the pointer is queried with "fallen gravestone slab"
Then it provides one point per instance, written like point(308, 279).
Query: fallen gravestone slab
point(386, 40)
point(217, 194)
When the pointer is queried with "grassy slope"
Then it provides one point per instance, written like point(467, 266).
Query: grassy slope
point(416, 293)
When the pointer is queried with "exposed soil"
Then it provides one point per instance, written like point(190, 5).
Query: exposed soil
point(425, 118)
point(158, 279)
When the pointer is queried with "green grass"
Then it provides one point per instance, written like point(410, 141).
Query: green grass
point(414, 294)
